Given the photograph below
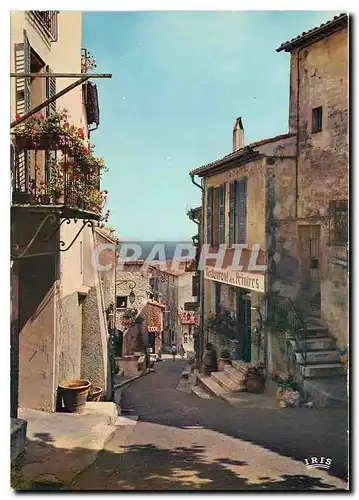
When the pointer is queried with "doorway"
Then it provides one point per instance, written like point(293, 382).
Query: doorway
point(243, 333)
point(309, 241)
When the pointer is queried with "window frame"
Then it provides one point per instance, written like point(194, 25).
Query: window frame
point(125, 297)
point(316, 127)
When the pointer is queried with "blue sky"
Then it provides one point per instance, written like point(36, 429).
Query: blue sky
point(179, 81)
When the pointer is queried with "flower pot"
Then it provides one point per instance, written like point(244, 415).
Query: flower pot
point(45, 199)
point(208, 361)
point(255, 384)
point(287, 398)
point(59, 198)
point(222, 362)
point(74, 394)
point(95, 394)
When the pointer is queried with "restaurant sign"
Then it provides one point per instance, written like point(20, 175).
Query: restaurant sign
point(250, 281)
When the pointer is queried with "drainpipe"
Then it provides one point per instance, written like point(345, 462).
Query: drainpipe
point(201, 274)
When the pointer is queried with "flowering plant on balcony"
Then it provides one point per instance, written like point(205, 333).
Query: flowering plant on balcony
point(57, 126)
point(223, 323)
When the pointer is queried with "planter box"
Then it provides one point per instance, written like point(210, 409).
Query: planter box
point(43, 143)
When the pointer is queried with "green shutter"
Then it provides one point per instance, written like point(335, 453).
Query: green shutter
point(232, 212)
point(22, 97)
point(50, 92)
point(242, 211)
point(222, 214)
point(210, 216)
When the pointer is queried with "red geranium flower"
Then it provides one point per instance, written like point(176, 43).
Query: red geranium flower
point(17, 116)
point(41, 116)
point(67, 125)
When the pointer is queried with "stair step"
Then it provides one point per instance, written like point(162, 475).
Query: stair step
point(226, 383)
point(240, 365)
point(322, 370)
point(234, 374)
point(319, 357)
point(199, 391)
point(314, 344)
point(210, 385)
point(316, 329)
point(327, 392)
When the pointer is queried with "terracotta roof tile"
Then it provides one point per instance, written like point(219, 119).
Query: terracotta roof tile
point(318, 32)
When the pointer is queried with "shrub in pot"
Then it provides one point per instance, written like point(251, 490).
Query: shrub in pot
point(224, 359)
point(254, 378)
point(288, 391)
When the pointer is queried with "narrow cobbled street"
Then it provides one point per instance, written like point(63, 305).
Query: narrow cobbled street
point(183, 442)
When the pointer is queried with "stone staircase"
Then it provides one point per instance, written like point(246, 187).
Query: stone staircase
point(228, 381)
point(323, 377)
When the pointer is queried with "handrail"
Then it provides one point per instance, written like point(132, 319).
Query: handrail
point(284, 308)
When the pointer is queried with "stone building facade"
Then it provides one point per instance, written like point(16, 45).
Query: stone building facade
point(173, 286)
point(59, 326)
point(135, 277)
point(318, 115)
point(286, 197)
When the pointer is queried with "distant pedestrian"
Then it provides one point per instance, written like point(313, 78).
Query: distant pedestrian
point(182, 352)
point(174, 351)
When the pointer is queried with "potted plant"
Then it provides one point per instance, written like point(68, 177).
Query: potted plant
point(254, 378)
point(95, 393)
point(288, 390)
point(74, 394)
point(224, 359)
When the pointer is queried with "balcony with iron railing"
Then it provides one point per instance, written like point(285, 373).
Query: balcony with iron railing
point(54, 165)
point(47, 21)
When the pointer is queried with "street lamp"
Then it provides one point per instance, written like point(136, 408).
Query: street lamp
point(132, 297)
point(132, 285)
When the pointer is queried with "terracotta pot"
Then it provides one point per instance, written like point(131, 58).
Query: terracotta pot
point(255, 384)
point(95, 394)
point(208, 361)
point(222, 362)
point(74, 394)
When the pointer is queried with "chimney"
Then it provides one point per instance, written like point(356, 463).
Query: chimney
point(238, 135)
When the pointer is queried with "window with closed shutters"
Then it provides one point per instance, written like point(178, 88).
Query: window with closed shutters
point(242, 211)
point(232, 215)
point(210, 216)
point(222, 214)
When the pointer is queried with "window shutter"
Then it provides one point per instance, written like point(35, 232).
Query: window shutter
point(195, 285)
point(22, 98)
point(242, 209)
point(210, 216)
point(222, 216)
point(232, 212)
point(50, 92)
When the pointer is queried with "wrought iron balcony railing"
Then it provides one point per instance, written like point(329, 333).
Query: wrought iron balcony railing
point(47, 20)
point(51, 173)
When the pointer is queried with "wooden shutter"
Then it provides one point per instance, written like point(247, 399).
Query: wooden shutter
point(232, 215)
point(210, 216)
point(222, 214)
point(22, 99)
point(195, 285)
point(242, 211)
point(50, 155)
point(50, 92)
